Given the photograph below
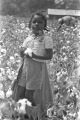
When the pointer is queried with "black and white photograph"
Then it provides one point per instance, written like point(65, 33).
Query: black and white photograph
point(39, 59)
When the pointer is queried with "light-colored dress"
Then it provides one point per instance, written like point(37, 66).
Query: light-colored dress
point(34, 74)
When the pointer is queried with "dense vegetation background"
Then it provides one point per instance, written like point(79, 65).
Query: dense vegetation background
point(64, 68)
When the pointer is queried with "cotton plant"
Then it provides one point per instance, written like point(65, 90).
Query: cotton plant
point(66, 53)
point(9, 93)
point(60, 68)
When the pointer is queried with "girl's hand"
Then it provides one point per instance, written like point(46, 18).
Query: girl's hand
point(28, 51)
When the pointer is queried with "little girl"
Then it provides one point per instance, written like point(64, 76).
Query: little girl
point(33, 81)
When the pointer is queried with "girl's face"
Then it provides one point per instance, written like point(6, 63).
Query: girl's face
point(37, 24)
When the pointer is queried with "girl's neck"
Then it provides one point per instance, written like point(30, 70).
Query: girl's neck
point(38, 33)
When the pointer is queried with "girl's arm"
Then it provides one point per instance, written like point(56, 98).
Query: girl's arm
point(47, 56)
point(23, 47)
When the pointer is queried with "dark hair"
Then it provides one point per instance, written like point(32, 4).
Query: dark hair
point(41, 15)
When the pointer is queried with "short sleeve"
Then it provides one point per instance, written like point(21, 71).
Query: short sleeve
point(48, 42)
point(27, 42)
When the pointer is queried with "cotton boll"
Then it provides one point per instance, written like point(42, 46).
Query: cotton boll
point(28, 51)
point(25, 101)
point(3, 52)
point(24, 107)
point(50, 112)
point(29, 103)
point(12, 59)
point(21, 106)
point(78, 117)
point(9, 93)
point(2, 94)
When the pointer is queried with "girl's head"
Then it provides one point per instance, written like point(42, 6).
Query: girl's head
point(38, 22)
